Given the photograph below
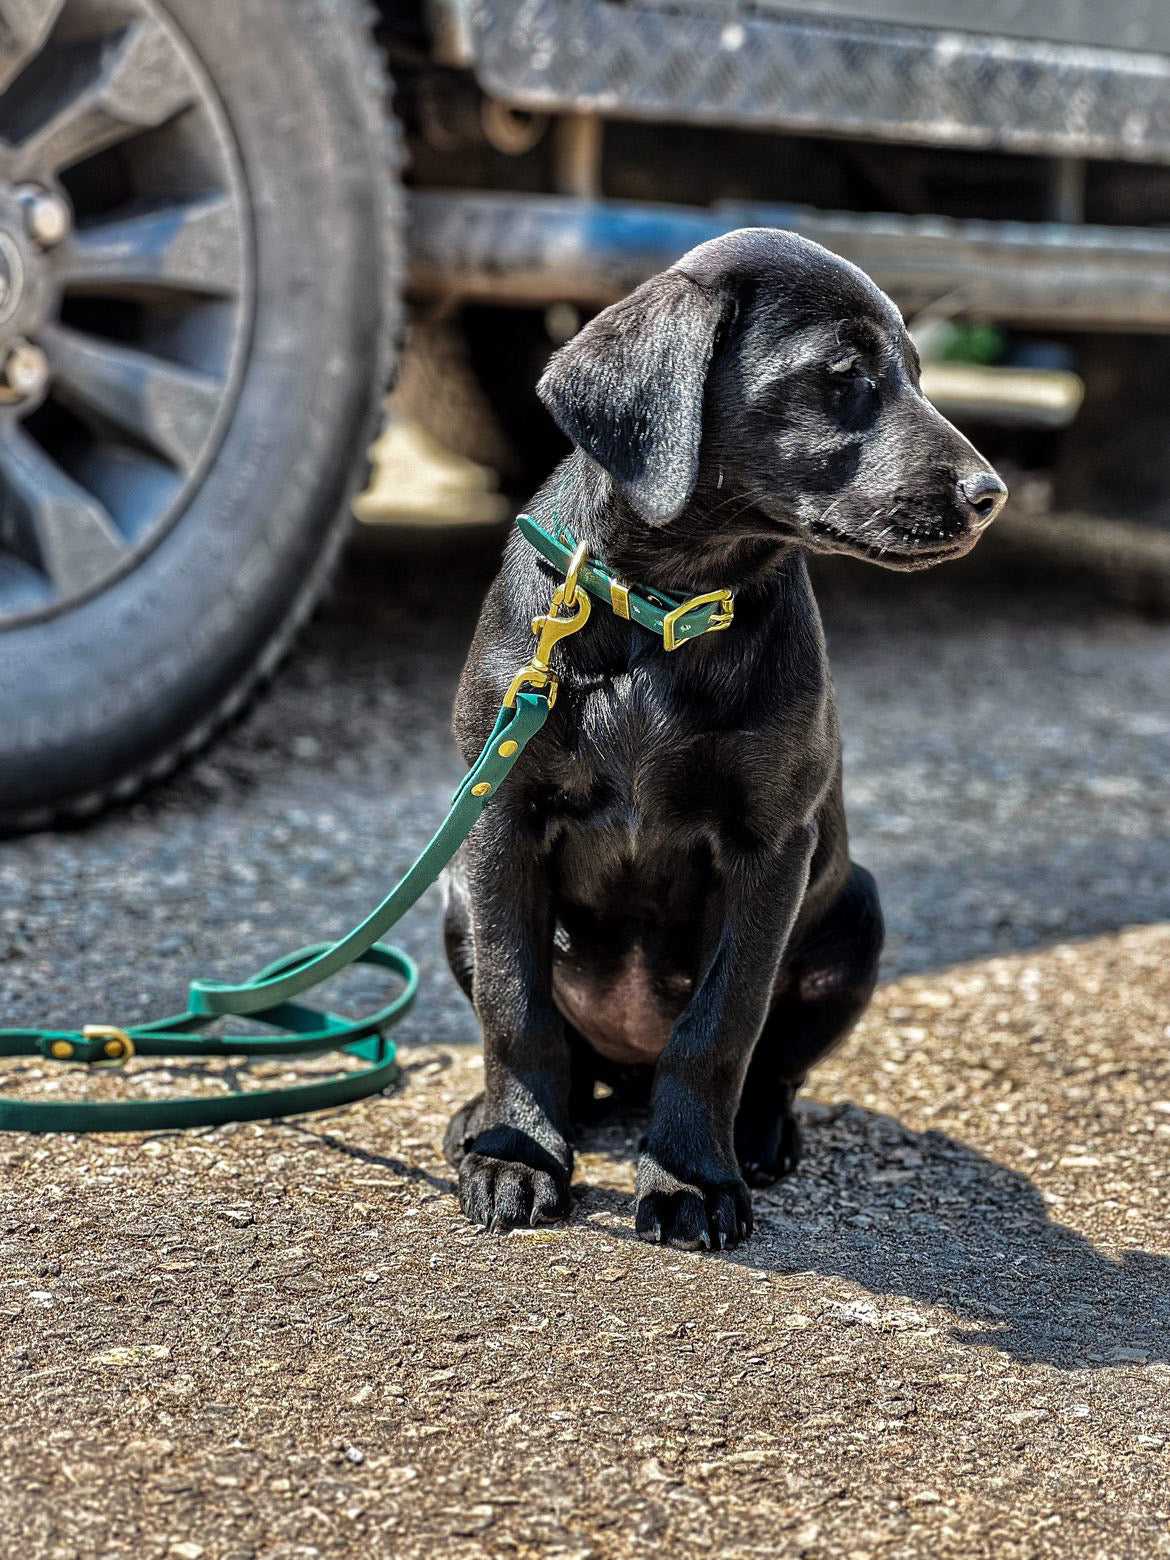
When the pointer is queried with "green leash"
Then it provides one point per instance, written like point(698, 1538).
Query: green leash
point(269, 996)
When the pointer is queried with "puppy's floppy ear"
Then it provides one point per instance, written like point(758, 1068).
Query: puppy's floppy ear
point(628, 389)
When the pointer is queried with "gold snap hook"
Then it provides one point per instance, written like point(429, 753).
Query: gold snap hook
point(552, 628)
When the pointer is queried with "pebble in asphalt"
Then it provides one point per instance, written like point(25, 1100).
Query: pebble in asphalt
point(952, 1333)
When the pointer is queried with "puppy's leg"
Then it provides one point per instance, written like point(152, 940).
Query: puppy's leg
point(511, 1144)
point(824, 988)
point(459, 946)
point(690, 1190)
point(458, 942)
point(467, 1122)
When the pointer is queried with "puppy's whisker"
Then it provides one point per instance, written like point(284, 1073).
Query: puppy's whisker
point(826, 512)
point(753, 495)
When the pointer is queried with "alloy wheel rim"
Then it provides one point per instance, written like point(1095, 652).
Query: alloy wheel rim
point(125, 292)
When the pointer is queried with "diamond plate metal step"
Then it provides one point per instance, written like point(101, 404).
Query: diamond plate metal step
point(732, 64)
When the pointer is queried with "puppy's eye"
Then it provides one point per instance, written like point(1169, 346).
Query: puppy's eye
point(850, 370)
point(853, 395)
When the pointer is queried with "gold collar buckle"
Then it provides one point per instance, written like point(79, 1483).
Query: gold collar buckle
point(717, 620)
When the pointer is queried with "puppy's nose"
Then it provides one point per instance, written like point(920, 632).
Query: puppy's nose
point(984, 494)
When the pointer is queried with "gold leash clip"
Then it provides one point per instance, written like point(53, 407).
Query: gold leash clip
point(550, 630)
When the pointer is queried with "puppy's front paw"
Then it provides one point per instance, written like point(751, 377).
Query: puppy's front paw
point(503, 1193)
point(507, 1179)
point(712, 1210)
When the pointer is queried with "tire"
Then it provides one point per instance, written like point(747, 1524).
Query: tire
point(113, 692)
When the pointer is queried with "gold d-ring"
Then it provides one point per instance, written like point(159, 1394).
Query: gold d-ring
point(569, 599)
point(119, 1047)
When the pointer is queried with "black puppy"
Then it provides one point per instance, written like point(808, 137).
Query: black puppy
point(664, 886)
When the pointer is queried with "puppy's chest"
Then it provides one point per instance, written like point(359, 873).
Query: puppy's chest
point(637, 765)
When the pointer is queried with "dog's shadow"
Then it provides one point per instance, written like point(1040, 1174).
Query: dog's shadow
point(924, 1217)
point(920, 1220)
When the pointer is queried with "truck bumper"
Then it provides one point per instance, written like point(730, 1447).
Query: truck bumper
point(535, 249)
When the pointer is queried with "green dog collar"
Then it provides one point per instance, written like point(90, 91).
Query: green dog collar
point(668, 618)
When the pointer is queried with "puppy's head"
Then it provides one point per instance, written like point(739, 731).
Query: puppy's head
point(766, 386)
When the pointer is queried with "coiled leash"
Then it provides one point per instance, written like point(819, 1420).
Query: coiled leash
point(268, 997)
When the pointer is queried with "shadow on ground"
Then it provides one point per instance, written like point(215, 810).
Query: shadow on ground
point(900, 1213)
point(924, 1216)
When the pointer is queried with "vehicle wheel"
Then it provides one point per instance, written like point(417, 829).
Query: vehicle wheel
point(200, 261)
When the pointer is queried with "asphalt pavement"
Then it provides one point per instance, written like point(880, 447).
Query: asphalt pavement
point(951, 1334)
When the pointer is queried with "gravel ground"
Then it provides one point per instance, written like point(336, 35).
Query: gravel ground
point(951, 1335)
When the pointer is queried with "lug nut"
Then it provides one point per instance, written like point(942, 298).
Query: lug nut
point(46, 215)
point(25, 371)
